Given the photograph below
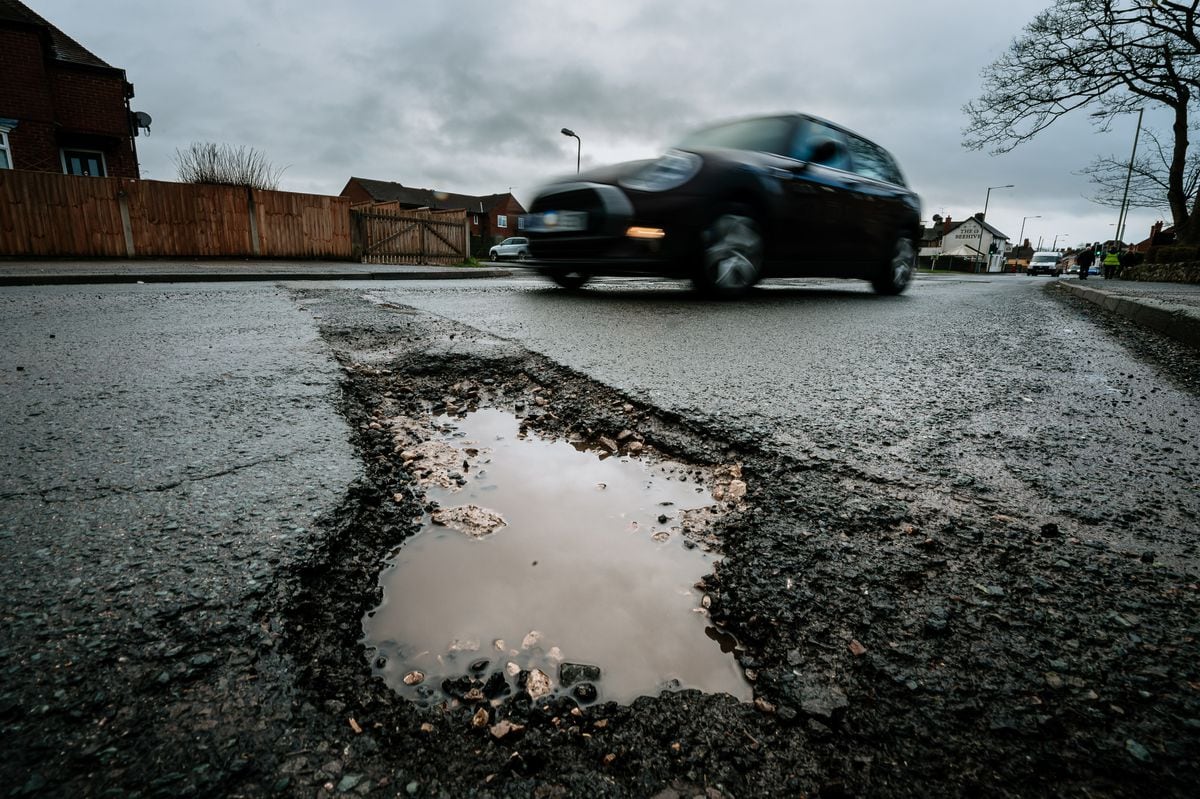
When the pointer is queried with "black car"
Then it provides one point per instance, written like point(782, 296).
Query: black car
point(775, 196)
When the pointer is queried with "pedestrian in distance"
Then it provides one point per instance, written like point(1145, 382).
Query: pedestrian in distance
point(1112, 261)
point(1085, 258)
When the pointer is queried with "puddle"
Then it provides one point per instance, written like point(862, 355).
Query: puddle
point(547, 555)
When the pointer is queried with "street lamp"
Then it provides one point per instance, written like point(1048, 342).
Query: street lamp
point(1021, 239)
point(1128, 173)
point(986, 200)
point(1054, 246)
point(578, 146)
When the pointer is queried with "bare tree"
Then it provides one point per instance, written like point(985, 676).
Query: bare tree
point(226, 165)
point(1119, 55)
point(1149, 180)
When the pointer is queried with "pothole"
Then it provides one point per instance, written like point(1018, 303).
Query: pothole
point(547, 567)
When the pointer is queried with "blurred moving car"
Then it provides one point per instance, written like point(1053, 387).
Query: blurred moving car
point(513, 247)
point(1045, 263)
point(774, 196)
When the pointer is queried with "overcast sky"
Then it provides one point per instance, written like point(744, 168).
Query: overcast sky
point(469, 95)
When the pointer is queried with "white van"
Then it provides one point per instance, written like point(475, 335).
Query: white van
point(1045, 263)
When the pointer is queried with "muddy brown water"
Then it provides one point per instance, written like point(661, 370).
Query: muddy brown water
point(589, 567)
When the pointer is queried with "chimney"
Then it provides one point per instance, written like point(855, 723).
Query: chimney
point(946, 226)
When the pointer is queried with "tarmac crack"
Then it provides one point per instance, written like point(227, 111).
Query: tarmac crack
point(107, 492)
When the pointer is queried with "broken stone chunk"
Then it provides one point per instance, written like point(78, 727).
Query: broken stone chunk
point(571, 673)
point(531, 639)
point(737, 490)
point(414, 678)
point(823, 702)
point(480, 719)
point(608, 444)
point(503, 729)
point(585, 692)
point(537, 684)
point(473, 520)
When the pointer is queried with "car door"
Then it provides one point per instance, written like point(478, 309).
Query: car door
point(876, 200)
point(817, 200)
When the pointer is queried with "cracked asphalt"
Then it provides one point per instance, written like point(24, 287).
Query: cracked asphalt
point(967, 563)
point(166, 451)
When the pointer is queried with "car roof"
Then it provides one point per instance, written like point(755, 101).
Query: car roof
point(796, 116)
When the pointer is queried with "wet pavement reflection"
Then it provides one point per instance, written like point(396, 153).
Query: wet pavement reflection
point(551, 570)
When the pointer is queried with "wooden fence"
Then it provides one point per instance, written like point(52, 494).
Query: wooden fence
point(43, 214)
point(387, 234)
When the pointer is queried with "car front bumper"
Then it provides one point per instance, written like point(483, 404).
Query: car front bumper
point(605, 245)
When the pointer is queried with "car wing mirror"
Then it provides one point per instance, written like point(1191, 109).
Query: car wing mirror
point(825, 151)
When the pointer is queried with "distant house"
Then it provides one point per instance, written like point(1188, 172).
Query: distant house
point(492, 217)
point(1158, 237)
point(971, 241)
point(62, 109)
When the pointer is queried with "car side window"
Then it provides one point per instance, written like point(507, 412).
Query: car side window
point(870, 161)
point(812, 144)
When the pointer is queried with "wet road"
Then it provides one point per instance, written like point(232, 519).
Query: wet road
point(164, 454)
point(168, 450)
point(984, 384)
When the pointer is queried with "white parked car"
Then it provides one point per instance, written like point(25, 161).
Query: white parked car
point(516, 247)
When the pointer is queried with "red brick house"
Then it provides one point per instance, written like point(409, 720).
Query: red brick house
point(62, 109)
point(492, 217)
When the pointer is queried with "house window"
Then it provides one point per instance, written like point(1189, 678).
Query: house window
point(501, 220)
point(5, 151)
point(89, 163)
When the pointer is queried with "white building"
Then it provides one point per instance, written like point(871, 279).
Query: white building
point(973, 240)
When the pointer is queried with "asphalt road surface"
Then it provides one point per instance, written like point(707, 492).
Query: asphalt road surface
point(1052, 408)
point(192, 505)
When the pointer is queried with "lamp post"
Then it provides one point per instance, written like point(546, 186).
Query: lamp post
point(1021, 235)
point(1128, 172)
point(986, 200)
point(578, 146)
point(1054, 246)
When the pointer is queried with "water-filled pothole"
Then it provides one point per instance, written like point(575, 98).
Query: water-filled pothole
point(547, 569)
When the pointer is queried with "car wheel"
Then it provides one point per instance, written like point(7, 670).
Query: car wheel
point(732, 253)
point(523, 255)
point(569, 280)
point(897, 272)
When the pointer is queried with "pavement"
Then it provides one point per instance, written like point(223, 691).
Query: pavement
point(57, 272)
point(1170, 308)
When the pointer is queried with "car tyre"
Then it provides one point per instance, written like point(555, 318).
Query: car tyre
point(896, 273)
point(572, 281)
point(731, 253)
point(523, 255)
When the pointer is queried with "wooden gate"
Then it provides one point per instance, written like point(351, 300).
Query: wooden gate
point(390, 235)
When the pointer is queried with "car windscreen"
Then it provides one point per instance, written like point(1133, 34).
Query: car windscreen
point(768, 135)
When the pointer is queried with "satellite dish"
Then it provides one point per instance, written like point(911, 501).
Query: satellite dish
point(143, 120)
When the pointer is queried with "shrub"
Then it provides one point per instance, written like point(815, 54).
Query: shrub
point(226, 165)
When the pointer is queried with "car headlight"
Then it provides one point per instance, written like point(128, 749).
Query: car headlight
point(674, 169)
